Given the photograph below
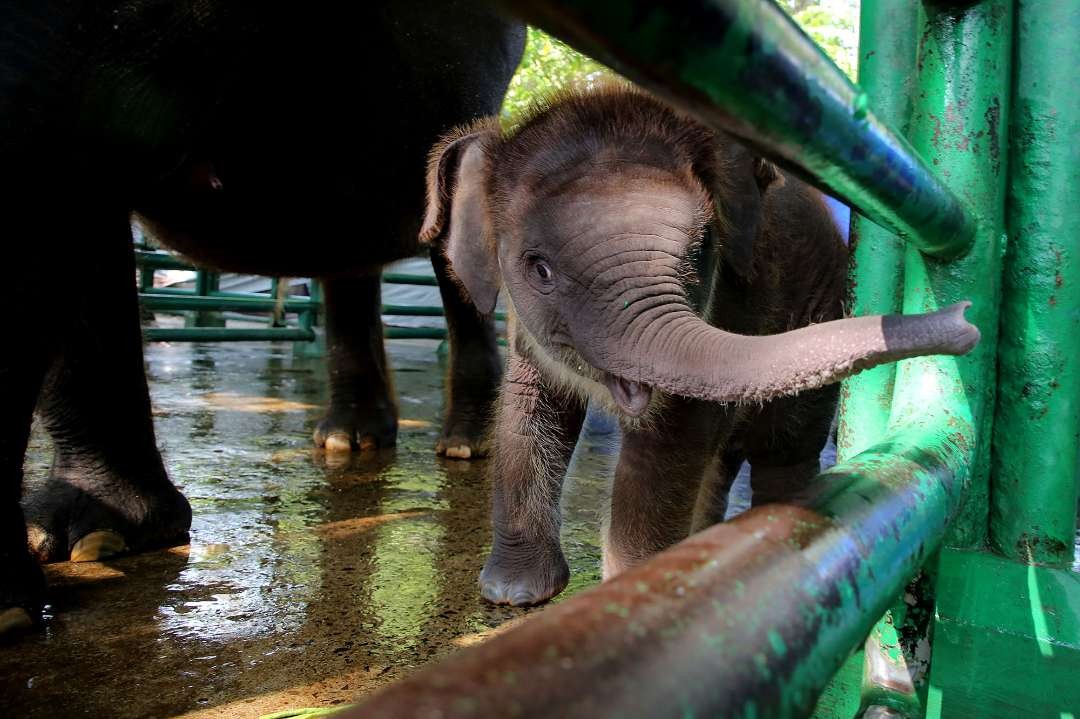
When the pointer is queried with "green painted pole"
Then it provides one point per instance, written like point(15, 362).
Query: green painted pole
point(959, 123)
point(745, 66)
point(888, 39)
point(887, 44)
point(1034, 481)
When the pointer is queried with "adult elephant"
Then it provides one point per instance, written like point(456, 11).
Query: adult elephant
point(249, 136)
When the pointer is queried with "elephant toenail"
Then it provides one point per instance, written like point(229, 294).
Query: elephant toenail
point(460, 452)
point(523, 599)
point(98, 545)
point(338, 442)
point(14, 619)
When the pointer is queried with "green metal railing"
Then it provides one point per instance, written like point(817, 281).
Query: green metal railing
point(754, 617)
point(206, 302)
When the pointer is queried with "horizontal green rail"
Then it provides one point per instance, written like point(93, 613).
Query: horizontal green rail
point(174, 299)
point(227, 334)
point(154, 301)
point(162, 261)
point(190, 292)
point(745, 66)
point(163, 298)
point(272, 334)
point(401, 278)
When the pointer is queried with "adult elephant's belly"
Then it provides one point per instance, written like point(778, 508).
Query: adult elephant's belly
point(287, 218)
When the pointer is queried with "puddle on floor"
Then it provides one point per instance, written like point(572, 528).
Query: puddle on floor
point(308, 581)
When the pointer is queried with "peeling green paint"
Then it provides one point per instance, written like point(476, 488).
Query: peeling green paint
point(1034, 492)
point(964, 61)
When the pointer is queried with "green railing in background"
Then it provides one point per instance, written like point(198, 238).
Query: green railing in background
point(208, 307)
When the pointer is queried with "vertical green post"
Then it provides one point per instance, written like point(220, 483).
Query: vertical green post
point(310, 320)
point(888, 38)
point(887, 43)
point(1034, 481)
point(206, 284)
point(958, 124)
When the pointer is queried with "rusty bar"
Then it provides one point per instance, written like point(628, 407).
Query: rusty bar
point(748, 618)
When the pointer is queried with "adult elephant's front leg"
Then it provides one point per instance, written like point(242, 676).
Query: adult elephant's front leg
point(107, 491)
point(22, 584)
point(535, 432)
point(362, 414)
point(658, 480)
point(472, 381)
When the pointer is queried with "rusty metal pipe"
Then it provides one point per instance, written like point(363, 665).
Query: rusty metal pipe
point(748, 618)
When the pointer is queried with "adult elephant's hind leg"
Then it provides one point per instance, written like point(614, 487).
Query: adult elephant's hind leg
point(107, 491)
point(472, 382)
point(362, 414)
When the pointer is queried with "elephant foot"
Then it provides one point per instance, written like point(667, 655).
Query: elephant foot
point(22, 593)
point(522, 576)
point(465, 433)
point(464, 436)
point(93, 521)
point(357, 429)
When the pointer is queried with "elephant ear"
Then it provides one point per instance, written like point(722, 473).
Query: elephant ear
point(737, 186)
point(457, 214)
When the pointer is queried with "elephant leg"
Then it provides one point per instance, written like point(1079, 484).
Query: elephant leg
point(107, 491)
point(474, 373)
point(362, 414)
point(658, 480)
point(784, 443)
point(536, 429)
point(22, 370)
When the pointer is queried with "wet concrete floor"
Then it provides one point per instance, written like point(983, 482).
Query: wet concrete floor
point(310, 580)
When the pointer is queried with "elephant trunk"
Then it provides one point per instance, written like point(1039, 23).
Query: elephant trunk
point(686, 356)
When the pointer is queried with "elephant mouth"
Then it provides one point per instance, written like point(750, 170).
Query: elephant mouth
point(631, 397)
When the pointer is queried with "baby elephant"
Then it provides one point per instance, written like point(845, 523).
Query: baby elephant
point(662, 270)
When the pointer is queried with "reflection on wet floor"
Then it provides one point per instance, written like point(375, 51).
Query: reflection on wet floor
point(309, 580)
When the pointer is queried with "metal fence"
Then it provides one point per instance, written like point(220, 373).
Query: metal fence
point(961, 147)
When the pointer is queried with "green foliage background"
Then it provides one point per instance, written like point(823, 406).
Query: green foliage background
point(550, 65)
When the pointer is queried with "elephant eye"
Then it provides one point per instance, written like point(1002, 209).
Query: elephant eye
point(541, 276)
point(543, 271)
